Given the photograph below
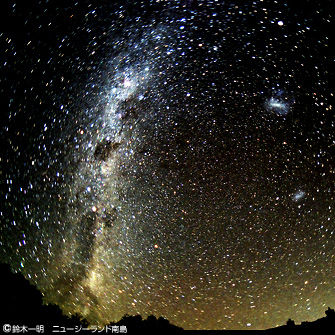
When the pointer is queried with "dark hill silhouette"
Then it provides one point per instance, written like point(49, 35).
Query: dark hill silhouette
point(324, 325)
point(21, 304)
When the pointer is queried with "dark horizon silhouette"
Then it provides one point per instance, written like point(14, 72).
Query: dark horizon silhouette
point(323, 324)
point(22, 303)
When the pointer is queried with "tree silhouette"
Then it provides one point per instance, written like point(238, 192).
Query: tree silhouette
point(136, 323)
point(330, 314)
point(22, 303)
point(322, 325)
point(290, 323)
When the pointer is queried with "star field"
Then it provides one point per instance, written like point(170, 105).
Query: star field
point(170, 158)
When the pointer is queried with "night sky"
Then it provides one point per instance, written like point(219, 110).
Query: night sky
point(174, 158)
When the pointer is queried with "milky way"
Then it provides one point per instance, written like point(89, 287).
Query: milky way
point(171, 158)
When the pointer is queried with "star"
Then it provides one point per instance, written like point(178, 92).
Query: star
point(170, 158)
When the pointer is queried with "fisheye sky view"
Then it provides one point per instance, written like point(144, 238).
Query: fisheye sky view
point(174, 158)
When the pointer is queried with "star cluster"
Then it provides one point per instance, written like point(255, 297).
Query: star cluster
point(170, 158)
